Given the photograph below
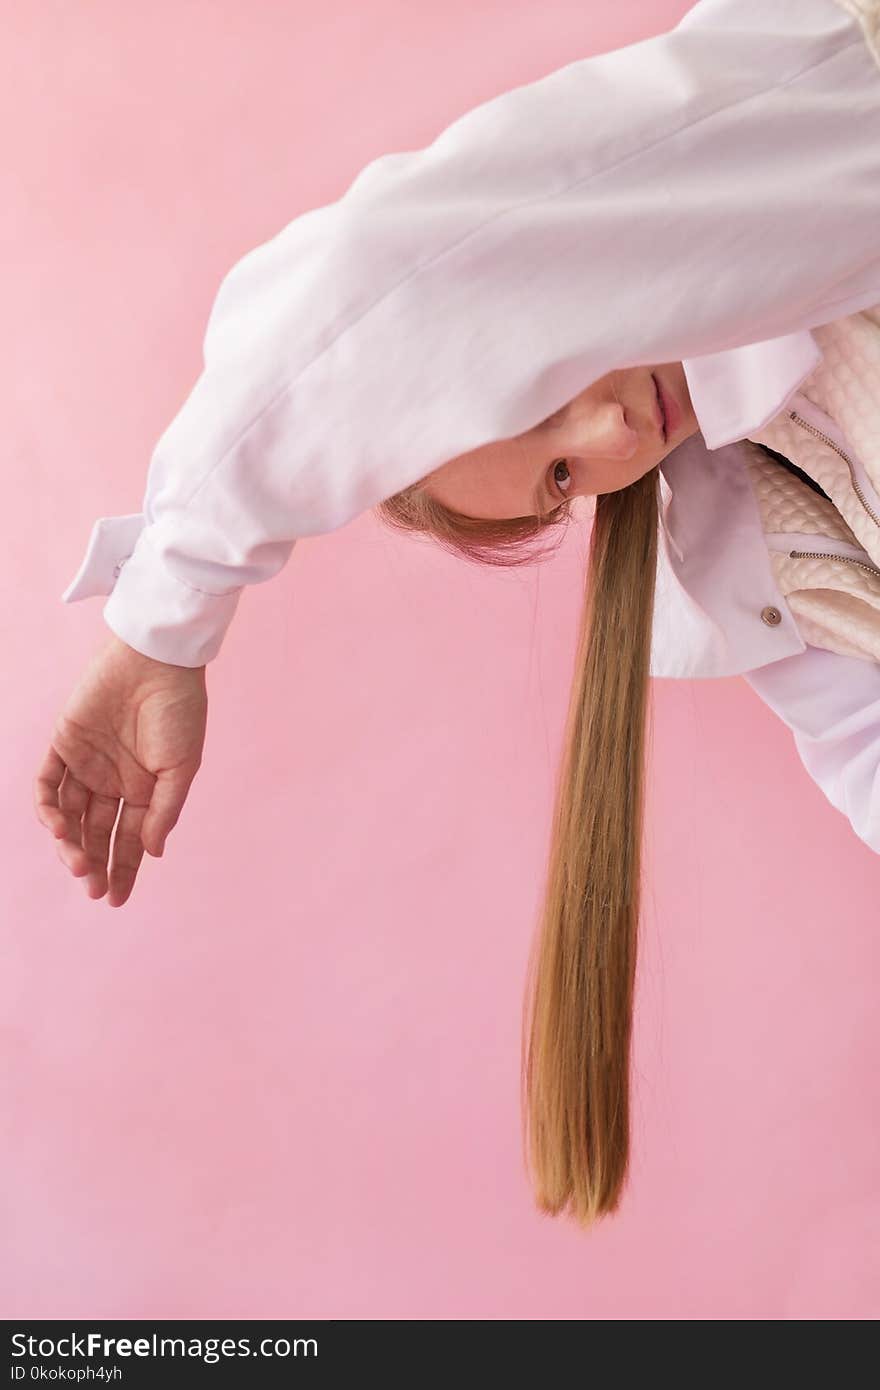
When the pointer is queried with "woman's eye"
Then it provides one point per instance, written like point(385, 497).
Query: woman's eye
point(561, 474)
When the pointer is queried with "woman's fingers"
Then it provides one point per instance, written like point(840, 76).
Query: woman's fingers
point(58, 812)
point(86, 851)
point(46, 784)
point(97, 827)
point(73, 857)
point(128, 851)
point(73, 799)
point(81, 821)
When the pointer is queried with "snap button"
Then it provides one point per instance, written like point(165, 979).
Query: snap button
point(771, 616)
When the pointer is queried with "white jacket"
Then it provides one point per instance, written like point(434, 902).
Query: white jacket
point(708, 196)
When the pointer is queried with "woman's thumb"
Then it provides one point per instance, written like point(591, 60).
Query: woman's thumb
point(166, 803)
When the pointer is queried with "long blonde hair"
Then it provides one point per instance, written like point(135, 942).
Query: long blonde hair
point(578, 1008)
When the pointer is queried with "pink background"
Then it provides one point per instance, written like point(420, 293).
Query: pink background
point(283, 1079)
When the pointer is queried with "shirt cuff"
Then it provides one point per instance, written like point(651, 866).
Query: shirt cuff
point(148, 608)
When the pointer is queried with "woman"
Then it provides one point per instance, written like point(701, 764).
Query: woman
point(609, 444)
point(637, 217)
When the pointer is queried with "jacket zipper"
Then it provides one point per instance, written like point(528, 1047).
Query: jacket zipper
point(830, 555)
point(799, 419)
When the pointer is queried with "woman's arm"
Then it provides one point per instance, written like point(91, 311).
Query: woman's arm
point(712, 186)
point(831, 703)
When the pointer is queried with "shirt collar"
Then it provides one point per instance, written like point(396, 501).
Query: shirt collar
point(734, 394)
point(741, 390)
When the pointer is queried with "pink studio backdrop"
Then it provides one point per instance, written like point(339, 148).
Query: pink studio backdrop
point(282, 1080)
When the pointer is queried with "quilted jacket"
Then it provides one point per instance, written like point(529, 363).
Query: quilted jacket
point(825, 549)
point(753, 553)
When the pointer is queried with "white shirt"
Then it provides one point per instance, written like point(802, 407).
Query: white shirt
point(704, 196)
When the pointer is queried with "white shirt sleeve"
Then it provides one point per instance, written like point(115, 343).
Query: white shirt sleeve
point(710, 187)
point(831, 703)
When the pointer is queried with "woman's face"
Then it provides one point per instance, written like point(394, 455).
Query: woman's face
point(603, 440)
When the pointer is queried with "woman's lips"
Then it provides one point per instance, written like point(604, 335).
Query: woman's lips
point(671, 409)
point(661, 413)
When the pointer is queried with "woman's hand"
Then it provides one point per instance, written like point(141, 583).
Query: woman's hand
point(132, 730)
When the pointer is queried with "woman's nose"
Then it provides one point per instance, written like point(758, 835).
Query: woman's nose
point(610, 434)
